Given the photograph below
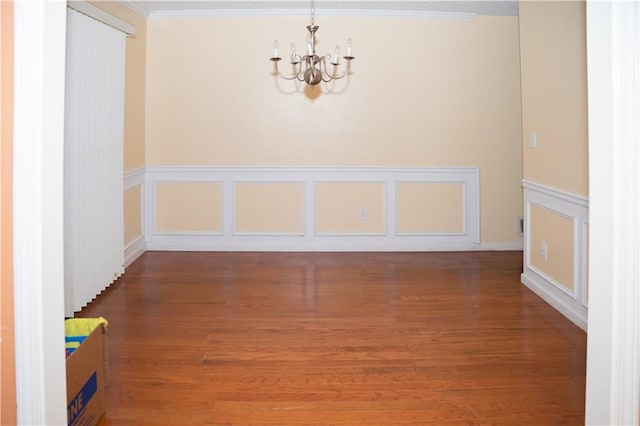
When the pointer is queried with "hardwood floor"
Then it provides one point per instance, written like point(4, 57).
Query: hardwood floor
point(337, 338)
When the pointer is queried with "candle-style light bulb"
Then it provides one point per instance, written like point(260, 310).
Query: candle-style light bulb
point(336, 53)
point(275, 49)
point(293, 53)
point(349, 47)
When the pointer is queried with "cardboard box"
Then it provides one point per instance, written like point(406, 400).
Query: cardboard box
point(86, 380)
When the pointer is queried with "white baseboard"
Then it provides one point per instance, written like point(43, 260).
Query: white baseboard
point(576, 313)
point(512, 246)
point(134, 250)
point(293, 244)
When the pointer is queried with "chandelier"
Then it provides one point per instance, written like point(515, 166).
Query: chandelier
point(312, 68)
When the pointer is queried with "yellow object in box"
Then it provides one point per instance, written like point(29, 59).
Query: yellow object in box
point(78, 329)
point(87, 372)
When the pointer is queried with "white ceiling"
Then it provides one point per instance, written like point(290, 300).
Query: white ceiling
point(363, 7)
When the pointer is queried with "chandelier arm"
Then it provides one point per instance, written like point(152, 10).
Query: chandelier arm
point(302, 67)
point(332, 76)
point(284, 77)
point(326, 76)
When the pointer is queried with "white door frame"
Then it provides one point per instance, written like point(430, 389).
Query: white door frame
point(40, 37)
point(613, 348)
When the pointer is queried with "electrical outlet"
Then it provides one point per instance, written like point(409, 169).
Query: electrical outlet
point(520, 226)
point(543, 250)
point(363, 213)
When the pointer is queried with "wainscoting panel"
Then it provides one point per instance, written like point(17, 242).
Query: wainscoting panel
point(349, 208)
point(418, 216)
point(134, 242)
point(555, 249)
point(268, 208)
point(367, 219)
point(192, 207)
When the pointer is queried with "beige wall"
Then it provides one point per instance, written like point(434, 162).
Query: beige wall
point(423, 92)
point(554, 105)
point(7, 345)
point(554, 93)
point(132, 214)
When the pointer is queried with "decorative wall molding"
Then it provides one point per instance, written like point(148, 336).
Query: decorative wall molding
point(572, 304)
point(134, 249)
point(310, 240)
point(133, 178)
point(359, 8)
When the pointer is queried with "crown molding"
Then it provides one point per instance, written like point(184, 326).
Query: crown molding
point(137, 7)
point(420, 9)
point(414, 14)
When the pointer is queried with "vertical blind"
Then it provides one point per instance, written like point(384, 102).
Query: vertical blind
point(93, 159)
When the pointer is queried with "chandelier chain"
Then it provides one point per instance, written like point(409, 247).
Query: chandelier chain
point(313, 12)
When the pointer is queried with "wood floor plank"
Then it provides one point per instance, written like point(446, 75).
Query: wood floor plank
point(337, 338)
